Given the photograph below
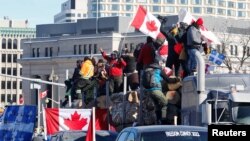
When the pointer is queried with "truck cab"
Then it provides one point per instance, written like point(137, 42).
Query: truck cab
point(226, 100)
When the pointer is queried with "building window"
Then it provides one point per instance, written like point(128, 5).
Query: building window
point(9, 71)
point(169, 9)
point(115, 7)
point(14, 97)
point(38, 52)
point(3, 43)
point(128, 14)
point(21, 85)
point(230, 12)
point(241, 14)
point(14, 84)
point(248, 51)
point(230, 4)
point(196, 2)
point(9, 44)
point(221, 3)
point(14, 71)
point(75, 49)
point(70, 14)
point(95, 48)
point(2, 97)
point(129, 8)
point(241, 5)
point(15, 44)
point(9, 58)
point(9, 98)
point(156, 1)
point(21, 71)
point(8, 84)
point(33, 52)
point(46, 52)
point(196, 10)
point(90, 52)
point(3, 71)
point(93, 7)
point(210, 2)
point(170, 1)
point(80, 49)
point(156, 9)
point(3, 58)
point(79, 15)
point(221, 11)
point(3, 85)
point(14, 58)
point(84, 49)
point(183, 2)
point(128, 0)
point(210, 10)
point(234, 50)
point(51, 51)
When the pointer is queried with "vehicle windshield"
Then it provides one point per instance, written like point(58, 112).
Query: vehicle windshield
point(174, 136)
point(242, 114)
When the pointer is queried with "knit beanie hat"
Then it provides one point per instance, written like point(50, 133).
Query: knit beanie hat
point(160, 39)
point(199, 21)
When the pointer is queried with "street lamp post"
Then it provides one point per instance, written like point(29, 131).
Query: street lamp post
point(37, 87)
point(53, 77)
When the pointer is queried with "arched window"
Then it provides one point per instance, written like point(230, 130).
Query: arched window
point(3, 43)
point(15, 44)
point(9, 44)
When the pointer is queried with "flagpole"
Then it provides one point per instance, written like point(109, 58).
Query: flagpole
point(39, 103)
point(93, 123)
point(44, 123)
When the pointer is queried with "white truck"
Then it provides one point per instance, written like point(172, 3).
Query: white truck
point(215, 98)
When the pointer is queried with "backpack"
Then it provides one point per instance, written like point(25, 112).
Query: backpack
point(148, 78)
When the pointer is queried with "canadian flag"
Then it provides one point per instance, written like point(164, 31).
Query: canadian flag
point(186, 17)
point(43, 94)
point(146, 22)
point(66, 119)
point(162, 52)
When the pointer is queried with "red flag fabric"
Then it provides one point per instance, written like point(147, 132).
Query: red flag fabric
point(178, 48)
point(101, 123)
point(90, 132)
point(66, 119)
point(186, 17)
point(21, 100)
point(43, 94)
point(146, 22)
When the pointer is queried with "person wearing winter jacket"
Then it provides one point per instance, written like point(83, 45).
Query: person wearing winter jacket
point(194, 43)
point(115, 71)
point(153, 76)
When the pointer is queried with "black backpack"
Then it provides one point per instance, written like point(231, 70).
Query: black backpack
point(148, 78)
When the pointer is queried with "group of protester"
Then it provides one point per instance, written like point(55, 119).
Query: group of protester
point(172, 48)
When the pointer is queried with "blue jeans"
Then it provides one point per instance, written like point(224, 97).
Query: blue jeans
point(192, 63)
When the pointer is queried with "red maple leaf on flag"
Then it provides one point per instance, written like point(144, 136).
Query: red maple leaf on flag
point(151, 26)
point(75, 123)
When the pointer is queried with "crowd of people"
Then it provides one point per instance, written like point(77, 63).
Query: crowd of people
point(172, 49)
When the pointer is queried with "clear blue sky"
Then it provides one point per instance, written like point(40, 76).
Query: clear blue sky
point(35, 11)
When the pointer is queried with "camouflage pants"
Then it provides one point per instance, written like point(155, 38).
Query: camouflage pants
point(161, 101)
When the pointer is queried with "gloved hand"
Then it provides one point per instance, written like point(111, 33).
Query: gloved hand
point(120, 59)
point(178, 79)
point(101, 50)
